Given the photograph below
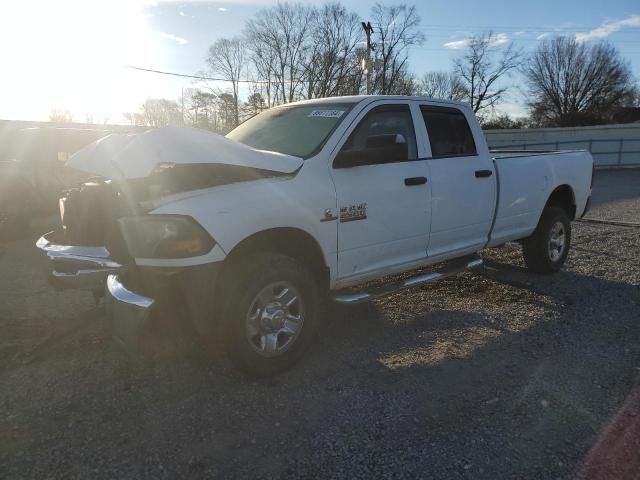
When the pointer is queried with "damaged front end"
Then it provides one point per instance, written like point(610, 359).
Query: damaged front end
point(111, 242)
point(88, 246)
point(88, 252)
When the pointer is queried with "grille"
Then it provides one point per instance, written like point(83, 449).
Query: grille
point(88, 215)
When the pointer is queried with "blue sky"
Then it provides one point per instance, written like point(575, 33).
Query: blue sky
point(71, 55)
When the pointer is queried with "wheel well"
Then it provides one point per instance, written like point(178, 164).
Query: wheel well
point(563, 197)
point(292, 242)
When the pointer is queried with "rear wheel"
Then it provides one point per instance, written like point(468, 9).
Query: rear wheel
point(546, 250)
point(271, 316)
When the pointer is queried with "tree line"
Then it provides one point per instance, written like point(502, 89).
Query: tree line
point(293, 51)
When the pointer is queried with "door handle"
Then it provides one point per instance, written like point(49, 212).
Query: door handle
point(483, 173)
point(411, 181)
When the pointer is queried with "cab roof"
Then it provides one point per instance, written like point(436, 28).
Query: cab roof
point(372, 98)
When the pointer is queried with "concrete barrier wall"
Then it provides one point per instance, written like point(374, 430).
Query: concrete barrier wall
point(610, 145)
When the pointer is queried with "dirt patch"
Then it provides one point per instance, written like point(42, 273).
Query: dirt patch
point(502, 374)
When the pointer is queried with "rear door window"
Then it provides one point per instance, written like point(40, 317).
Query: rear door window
point(449, 132)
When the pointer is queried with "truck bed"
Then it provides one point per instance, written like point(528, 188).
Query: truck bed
point(527, 178)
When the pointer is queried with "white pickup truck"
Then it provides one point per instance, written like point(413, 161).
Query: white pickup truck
point(310, 200)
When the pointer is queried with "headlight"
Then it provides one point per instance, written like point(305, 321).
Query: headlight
point(165, 236)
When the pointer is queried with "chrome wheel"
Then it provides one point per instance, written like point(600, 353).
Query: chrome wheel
point(274, 320)
point(557, 241)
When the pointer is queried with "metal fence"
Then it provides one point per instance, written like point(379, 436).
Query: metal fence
point(622, 152)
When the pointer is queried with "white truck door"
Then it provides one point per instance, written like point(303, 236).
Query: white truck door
point(383, 193)
point(463, 181)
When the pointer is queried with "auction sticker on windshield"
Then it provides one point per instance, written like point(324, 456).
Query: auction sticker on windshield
point(326, 113)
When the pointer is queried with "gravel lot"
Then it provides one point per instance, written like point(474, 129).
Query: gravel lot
point(502, 374)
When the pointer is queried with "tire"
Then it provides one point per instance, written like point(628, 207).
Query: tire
point(265, 294)
point(546, 250)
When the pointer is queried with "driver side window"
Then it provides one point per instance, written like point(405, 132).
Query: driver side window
point(384, 135)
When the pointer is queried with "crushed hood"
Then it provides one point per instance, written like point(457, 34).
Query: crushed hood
point(129, 156)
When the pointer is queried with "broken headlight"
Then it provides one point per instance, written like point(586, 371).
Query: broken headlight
point(165, 236)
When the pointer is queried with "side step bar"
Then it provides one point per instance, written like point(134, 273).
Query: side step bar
point(448, 270)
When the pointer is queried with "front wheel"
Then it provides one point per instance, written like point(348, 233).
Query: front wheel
point(271, 315)
point(546, 250)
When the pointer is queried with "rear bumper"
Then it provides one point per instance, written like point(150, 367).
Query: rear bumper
point(82, 267)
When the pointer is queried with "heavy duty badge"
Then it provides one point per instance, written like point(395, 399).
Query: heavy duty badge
point(353, 212)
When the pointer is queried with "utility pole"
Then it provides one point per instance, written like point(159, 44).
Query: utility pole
point(368, 30)
point(182, 99)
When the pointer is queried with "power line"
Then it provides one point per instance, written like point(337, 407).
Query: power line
point(453, 50)
point(579, 28)
point(198, 77)
point(203, 77)
point(516, 39)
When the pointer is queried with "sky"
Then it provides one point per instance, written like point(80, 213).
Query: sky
point(73, 54)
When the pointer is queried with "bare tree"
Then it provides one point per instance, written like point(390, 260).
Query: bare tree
point(333, 56)
point(395, 30)
point(225, 106)
point(441, 84)
point(445, 85)
point(503, 122)
point(227, 58)
point(280, 33)
point(57, 115)
point(96, 118)
point(263, 65)
point(134, 118)
point(160, 112)
point(481, 68)
point(576, 83)
point(254, 105)
point(199, 109)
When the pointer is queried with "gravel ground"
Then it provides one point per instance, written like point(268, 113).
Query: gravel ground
point(502, 374)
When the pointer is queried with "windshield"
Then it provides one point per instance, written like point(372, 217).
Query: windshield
point(293, 130)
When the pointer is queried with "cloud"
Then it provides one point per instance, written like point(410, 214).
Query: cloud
point(182, 14)
point(498, 39)
point(458, 44)
point(222, 9)
point(174, 38)
point(512, 109)
point(608, 28)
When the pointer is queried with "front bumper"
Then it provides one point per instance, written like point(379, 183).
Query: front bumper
point(128, 311)
point(587, 207)
point(138, 297)
point(82, 267)
point(133, 294)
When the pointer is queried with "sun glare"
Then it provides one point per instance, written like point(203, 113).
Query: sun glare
point(70, 54)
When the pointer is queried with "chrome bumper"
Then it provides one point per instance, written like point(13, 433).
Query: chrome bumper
point(76, 267)
point(128, 311)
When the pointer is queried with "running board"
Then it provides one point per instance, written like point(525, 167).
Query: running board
point(448, 271)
